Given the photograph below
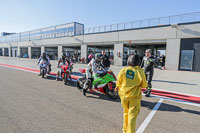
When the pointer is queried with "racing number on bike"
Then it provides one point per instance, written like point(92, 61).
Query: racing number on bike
point(130, 74)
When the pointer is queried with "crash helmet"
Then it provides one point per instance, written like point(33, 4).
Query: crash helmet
point(44, 54)
point(67, 54)
point(90, 56)
point(63, 55)
point(98, 57)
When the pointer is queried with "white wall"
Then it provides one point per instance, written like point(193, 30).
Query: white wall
point(118, 49)
point(60, 50)
point(172, 54)
point(42, 49)
point(29, 52)
point(84, 51)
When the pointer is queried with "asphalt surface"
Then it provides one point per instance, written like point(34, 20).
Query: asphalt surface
point(30, 104)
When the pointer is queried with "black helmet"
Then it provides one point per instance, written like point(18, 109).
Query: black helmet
point(44, 54)
point(63, 55)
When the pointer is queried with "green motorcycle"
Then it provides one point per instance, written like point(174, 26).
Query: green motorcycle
point(104, 84)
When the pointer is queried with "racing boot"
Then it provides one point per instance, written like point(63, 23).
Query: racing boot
point(145, 92)
point(40, 73)
point(148, 93)
point(49, 68)
point(85, 87)
point(57, 76)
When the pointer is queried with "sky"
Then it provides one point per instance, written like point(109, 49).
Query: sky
point(23, 15)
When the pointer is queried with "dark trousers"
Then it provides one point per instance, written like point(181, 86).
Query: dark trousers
point(149, 79)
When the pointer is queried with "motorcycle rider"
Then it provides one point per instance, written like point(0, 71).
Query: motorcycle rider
point(148, 65)
point(94, 68)
point(61, 61)
point(69, 59)
point(46, 58)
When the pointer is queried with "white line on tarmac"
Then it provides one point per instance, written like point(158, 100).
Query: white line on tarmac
point(149, 117)
point(177, 101)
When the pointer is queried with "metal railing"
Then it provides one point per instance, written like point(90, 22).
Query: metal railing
point(161, 21)
point(183, 18)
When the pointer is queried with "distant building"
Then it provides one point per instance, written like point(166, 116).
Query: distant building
point(6, 33)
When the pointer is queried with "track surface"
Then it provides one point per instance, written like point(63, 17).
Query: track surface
point(31, 104)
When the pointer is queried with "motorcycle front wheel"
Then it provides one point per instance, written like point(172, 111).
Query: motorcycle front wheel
point(43, 73)
point(111, 93)
point(65, 79)
point(80, 83)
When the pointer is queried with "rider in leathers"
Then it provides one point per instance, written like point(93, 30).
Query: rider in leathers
point(46, 58)
point(148, 65)
point(62, 60)
point(93, 67)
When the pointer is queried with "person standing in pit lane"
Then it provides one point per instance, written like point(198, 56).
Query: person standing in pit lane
point(129, 83)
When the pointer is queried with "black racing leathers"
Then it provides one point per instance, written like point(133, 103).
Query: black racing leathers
point(148, 65)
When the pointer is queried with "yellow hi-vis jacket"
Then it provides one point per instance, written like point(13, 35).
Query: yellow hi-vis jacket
point(130, 81)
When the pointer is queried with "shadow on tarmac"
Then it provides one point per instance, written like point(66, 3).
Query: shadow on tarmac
point(70, 82)
point(102, 97)
point(168, 107)
point(77, 74)
point(173, 82)
point(147, 104)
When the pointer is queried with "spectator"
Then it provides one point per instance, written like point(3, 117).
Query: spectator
point(105, 60)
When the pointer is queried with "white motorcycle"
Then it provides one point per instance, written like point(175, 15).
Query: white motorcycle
point(44, 67)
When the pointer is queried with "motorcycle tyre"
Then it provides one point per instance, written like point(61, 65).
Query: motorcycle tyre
point(110, 96)
point(43, 73)
point(65, 79)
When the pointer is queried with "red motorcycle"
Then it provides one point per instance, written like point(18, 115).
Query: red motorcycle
point(65, 73)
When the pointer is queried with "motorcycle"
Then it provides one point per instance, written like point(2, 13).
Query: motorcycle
point(104, 84)
point(44, 68)
point(65, 73)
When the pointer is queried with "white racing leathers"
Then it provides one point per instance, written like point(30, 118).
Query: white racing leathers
point(95, 68)
point(44, 61)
